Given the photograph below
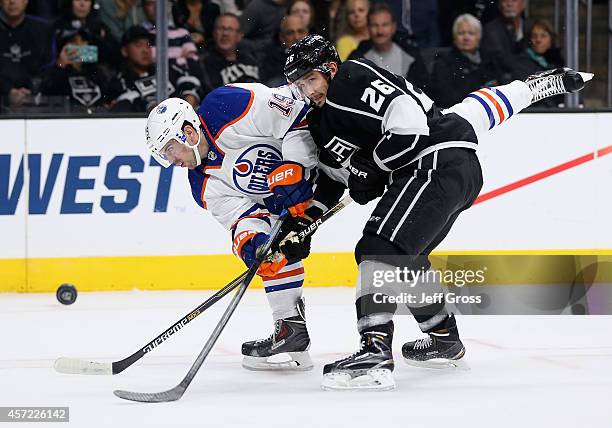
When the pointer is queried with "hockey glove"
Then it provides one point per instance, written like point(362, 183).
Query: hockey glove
point(245, 246)
point(366, 181)
point(293, 248)
point(287, 183)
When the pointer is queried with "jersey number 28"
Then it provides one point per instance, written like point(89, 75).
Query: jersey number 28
point(374, 95)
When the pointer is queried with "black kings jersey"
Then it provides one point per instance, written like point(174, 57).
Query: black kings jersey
point(383, 115)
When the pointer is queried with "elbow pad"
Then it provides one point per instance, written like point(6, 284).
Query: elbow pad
point(396, 150)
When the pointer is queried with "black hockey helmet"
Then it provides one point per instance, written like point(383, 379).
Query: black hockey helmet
point(313, 52)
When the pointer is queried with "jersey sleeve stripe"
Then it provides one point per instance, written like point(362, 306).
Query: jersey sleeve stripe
point(484, 105)
point(505, 100)
point(498, 106)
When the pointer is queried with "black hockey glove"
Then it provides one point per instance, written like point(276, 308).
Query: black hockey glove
point(293, 249)
point(366, 181)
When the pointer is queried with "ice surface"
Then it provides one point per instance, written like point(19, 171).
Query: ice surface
point(552, 371)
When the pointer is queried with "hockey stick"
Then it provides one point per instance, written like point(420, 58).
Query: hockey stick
point(81, 366)
point(178, 391)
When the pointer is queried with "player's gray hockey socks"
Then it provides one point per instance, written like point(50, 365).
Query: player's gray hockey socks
point(428, 308)
point(371, 302)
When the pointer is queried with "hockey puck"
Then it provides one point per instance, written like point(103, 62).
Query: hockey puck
point(66, 294)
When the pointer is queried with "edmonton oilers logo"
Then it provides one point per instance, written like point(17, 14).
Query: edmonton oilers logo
point(251, 169)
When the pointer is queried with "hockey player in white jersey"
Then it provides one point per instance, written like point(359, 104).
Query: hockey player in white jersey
point(241, 135)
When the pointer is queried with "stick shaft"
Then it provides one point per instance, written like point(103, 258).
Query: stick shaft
point(121, 365)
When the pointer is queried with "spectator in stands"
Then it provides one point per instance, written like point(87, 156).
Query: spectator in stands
point(24, 49)
point(503, 38)
point(223, 62)
point(542, 54)
point(304, 10)
point(463, 69)
point(198, 17)
point(357, 27)
point(448, 10)
point(76, 76)
point(418, 21)
point(180, 46)
point(293, 29)
point(396, 56)
point(260, 22)
point(119, 15)
point(232, 6)
point(48, 10)
point(134, 88)
point(80, 14)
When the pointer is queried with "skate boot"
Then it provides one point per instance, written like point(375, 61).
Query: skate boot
point(439, 350)
point(556, 82)
point(367, 369)
point(285, 349)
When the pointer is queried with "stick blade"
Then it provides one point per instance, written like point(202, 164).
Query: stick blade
point(78, 366)
point(155, 397)
point(586, 76)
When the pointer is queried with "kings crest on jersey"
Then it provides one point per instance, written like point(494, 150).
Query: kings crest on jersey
point(249, 128)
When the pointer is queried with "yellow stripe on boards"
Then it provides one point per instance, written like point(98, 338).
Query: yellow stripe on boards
point(13, 275)
point(321, 270)
point(156, 273)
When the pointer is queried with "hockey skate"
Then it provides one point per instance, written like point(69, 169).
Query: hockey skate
point(285, 349)
point(556, 82)
point(368, 369)
point(437, 350)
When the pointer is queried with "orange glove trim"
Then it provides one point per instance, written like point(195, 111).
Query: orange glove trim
point(239, 241)
point(299, 210)
point(285, 175)
point(271, 268)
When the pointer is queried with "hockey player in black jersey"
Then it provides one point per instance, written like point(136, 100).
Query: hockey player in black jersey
point(421, 161)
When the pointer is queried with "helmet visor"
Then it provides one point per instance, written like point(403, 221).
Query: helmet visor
point(164, 155)
point(161, 159)
point(311, 87)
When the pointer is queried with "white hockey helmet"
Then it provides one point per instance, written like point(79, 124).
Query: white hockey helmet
point(165, 123)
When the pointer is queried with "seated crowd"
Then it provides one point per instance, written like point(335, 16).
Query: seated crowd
point(99, 55)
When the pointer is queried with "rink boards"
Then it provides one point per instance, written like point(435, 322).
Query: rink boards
point(82, 202)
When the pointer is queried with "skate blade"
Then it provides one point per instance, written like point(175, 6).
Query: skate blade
point(585, 76)
point(440, 364)
point(286, 361)
point(373, 380)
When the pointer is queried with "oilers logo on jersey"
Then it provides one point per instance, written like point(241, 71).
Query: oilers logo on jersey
point(252, 167)
point(249, 128)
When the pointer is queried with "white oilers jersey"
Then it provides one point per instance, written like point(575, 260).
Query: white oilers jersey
point(249, 128)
